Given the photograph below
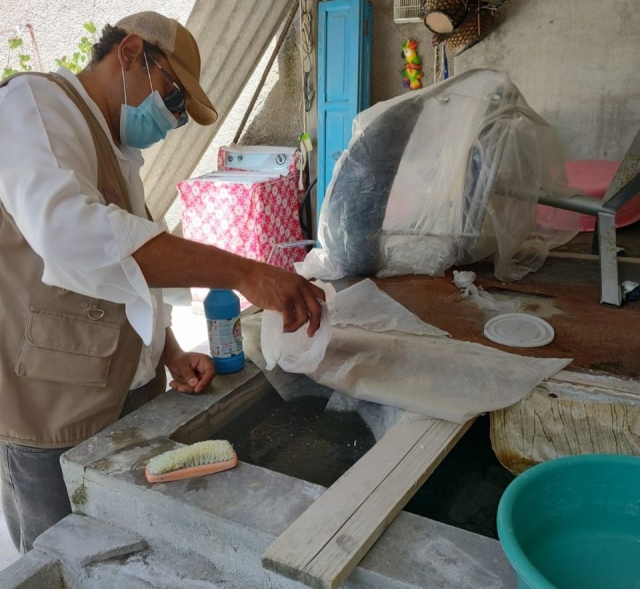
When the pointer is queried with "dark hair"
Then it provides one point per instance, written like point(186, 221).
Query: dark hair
point(112, 37)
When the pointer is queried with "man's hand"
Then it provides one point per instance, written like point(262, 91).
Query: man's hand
point(192, 372)
point(168, 261)
point(271, 288)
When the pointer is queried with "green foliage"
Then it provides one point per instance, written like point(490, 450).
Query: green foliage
point(23, 65)
point(75, 63)
point(81, 57)
point(15, 42)
point(8, 71)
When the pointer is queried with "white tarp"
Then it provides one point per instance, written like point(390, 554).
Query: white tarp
point(433, 375)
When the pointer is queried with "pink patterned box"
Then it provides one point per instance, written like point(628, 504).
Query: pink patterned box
point(246, 218)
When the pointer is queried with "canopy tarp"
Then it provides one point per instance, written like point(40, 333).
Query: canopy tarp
point(232, 37)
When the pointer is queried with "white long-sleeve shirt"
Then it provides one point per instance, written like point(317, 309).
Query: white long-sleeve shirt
point(48, 179)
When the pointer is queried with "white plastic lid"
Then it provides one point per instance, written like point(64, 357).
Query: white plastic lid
point(519, 330)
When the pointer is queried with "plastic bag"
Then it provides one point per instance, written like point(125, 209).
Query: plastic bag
point(296, 352)
point(480, 297)
point(443, 176)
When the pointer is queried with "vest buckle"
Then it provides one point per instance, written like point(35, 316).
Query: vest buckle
point(94, 313)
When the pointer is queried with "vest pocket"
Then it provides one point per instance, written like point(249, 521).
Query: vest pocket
point(67, 348)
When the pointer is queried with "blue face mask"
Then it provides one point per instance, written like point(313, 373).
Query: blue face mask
point(142, 126)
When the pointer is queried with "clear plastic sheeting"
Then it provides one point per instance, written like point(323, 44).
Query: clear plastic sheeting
point(444, 176)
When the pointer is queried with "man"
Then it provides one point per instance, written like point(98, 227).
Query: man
point(84, 333)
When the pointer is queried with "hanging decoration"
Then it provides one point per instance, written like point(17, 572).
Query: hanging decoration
point(458, 25)
point(442, 16)
point(440, 64)
point(412, 69)
point(308, 93)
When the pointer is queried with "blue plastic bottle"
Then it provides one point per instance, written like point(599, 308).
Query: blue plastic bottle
point(222, 310)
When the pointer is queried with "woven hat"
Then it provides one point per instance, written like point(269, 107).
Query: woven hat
point(181, 49)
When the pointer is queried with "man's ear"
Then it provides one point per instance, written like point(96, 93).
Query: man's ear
point(130, 51)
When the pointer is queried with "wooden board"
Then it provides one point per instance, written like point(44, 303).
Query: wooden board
point(326, 543)
point(590, 257)
point(593, 380)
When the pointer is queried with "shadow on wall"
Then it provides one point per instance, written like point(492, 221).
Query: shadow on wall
point(575, 62)
point(277, 115)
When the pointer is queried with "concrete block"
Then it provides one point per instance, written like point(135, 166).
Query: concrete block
point(414, 549)
point(33, 571)
point(227, 520)
point(81, 541)
point(158, 570)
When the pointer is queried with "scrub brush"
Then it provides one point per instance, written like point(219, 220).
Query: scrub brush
point(191, 461)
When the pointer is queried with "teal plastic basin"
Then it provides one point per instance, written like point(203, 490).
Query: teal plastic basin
point(574, 523)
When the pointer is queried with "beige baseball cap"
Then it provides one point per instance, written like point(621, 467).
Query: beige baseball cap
point(181, 49)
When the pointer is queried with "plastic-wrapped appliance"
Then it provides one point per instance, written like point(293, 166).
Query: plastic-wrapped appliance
point(442, 176)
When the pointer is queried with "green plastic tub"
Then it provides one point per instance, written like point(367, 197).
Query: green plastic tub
point(574, 523)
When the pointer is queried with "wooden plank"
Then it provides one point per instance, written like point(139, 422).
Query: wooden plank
point(627, 386)
point(326, 543)
point(358, 535)
point(589, 257)
point(311, 532)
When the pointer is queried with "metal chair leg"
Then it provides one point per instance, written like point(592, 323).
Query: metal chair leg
point(610, 285)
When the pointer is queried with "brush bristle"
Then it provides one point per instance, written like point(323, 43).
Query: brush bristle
point(208, 452)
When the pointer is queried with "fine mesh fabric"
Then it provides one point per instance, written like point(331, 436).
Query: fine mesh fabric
point(153, 27)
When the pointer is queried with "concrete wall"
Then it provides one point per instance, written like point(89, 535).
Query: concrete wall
point(58, 24)
point(387, 59)
point(577, 64)
point(278, 113)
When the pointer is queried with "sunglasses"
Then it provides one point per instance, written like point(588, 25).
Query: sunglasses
point(174, 101)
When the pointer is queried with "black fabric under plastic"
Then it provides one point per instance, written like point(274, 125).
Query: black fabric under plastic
point(361, 190)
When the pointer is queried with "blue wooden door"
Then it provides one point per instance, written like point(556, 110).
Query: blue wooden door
point(344, 78)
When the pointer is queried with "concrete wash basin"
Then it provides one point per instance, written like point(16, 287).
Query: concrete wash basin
point(210, 532)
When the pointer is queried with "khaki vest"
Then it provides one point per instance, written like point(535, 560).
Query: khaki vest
point(66, 360)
